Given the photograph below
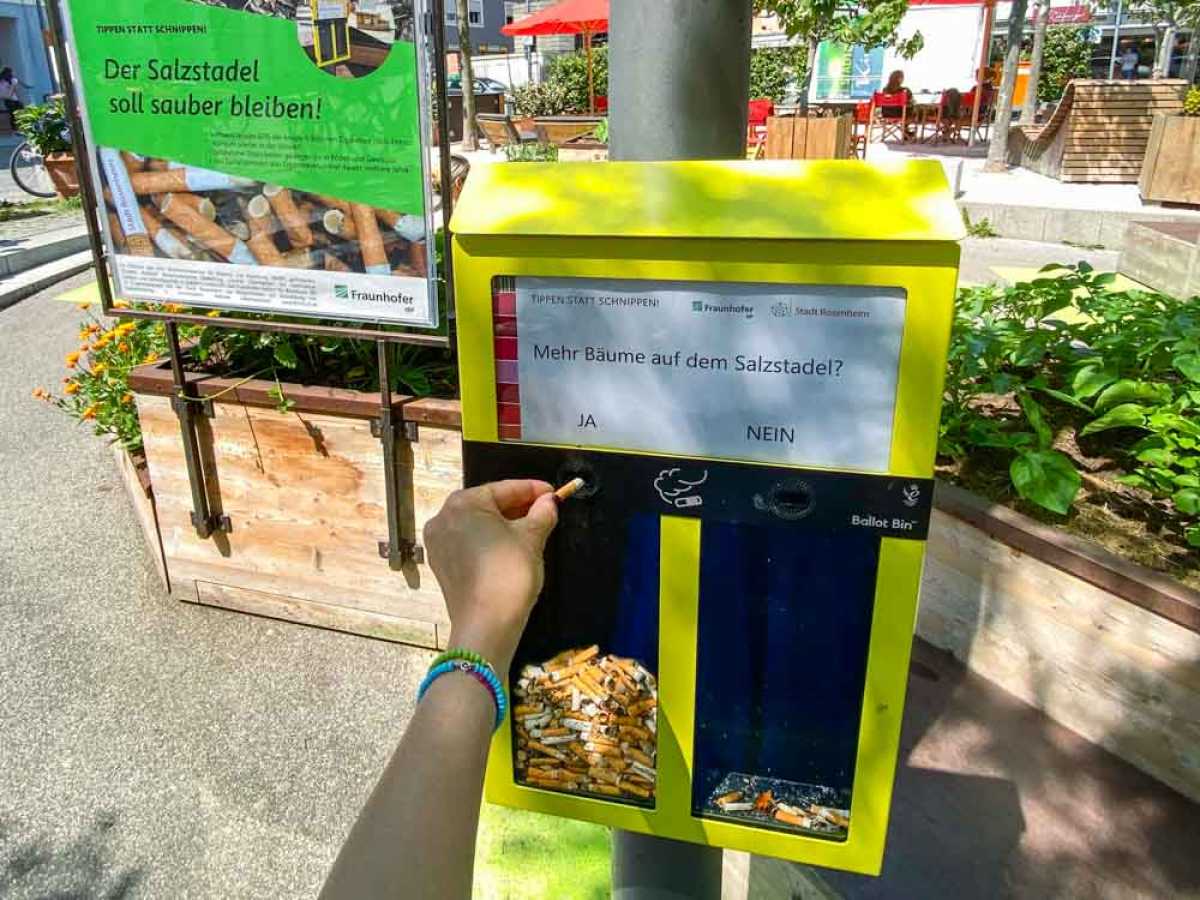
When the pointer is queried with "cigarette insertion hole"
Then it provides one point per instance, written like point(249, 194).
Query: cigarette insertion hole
point(790, 500)
point(579, 468)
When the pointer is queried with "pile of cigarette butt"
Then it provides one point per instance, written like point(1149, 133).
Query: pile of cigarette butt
point(782, 803)
point(586, 723)
point(160, 208)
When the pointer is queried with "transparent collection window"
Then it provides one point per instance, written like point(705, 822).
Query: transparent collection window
point(785, 620)
point(584, 682)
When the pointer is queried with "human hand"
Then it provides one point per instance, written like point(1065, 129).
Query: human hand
point(485, 546)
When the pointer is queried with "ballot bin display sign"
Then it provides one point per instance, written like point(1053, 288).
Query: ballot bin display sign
point(265, 159)
point(743, 365)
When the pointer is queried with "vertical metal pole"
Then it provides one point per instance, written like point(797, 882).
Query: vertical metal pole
point(438, 30)
point(1116, 37)
point(185, 409)
point(392, 549)
point(658, 112)
point(661, 107)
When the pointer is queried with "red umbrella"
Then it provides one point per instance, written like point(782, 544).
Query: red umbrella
point(586, 17)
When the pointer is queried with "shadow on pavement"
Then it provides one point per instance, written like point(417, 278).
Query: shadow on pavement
point(81, 868)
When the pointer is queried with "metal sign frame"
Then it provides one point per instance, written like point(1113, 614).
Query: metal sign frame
point(390, 426)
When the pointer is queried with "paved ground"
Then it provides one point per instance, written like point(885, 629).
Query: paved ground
point(148, 748)
point(30, 226)
point(151, 748)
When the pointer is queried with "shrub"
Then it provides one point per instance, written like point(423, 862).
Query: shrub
point(45, 127)
point(531, 152)
point(1067, 54)
point(1191, 103)
point(543, 99)
point(568, 72)
point(774, 69)
point(1046, 366)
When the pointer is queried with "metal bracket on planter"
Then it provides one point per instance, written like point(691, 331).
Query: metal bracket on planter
point(204, 520)
point(398, 550)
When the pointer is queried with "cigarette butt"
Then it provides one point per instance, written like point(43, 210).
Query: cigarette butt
point(610, 790)
point(133, 162)
point(300, 258)
point(261, 242)
point(640, 757)
point(115, 229)
point(334, 203)
point(630, 788)
point(337, 223)
point(292, 219)
point(334, 264)
point(208, 234)
point(566, 492)
point(154, 164)
point(737, 807)
point(418, 257)
point(526, 709)
point(789, 818)
point(164, 239)
point(183, 179)
point(370, 241)
point(541, 748)
point(239, 230)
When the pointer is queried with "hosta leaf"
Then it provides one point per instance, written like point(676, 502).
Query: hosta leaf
point(1047, 478)
point(1127, 415)
point(1129, 391)
point(1187, 501)
point(1090, 380)
point(1157, 456)
point(1188, 365)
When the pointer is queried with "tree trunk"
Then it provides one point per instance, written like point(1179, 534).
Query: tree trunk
point(813, 45)
point(469, 141)
point(1041, 18)
point(1162, 64)
point(997, 158)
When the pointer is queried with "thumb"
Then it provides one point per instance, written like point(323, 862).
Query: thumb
point(540, 521)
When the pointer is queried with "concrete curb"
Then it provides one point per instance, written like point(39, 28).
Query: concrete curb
point(28, 253)
point(17, 287)
point(1083, 227)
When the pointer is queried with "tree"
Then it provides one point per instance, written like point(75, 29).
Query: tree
point(997, 157)
point(774, 69)
point(1167, 17)
point(1067, 54)
point(469, 139)
point(1041, 19)
point(870, 23)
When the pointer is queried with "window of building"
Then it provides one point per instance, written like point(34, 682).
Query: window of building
point(474, 13)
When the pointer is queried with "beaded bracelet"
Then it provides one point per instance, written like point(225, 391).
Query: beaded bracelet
point(460, 653)
point(482, 673)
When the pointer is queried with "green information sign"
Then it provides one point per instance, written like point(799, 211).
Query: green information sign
point(262, 155)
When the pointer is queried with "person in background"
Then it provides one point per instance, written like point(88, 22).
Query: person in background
point(416, 835)
point(10, 93)
point(1129, 63)
point(895, 85)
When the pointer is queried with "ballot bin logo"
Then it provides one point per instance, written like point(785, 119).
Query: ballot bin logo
point(911, 495)
point(678, 488)
point(341, 291)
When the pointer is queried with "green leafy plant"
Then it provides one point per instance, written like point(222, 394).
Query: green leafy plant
point(45, 127)
point(981, 229)
point(1043, 367)
point(1191, 102)
point(544, 99)
point(600, 132)
point(1067, 54)
point(531, 152)
point(568, 72)
point(773, 70)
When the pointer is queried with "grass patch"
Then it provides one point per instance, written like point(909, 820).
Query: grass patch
point(10, 212)
point(981, 229)
point(523, 854)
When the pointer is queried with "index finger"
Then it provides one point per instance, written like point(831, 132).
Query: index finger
point(512, 498)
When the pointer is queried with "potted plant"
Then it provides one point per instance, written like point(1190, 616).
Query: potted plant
point(45, 128)
point(1173, 155)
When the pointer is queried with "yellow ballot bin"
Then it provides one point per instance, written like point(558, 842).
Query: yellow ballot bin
point(744, 361)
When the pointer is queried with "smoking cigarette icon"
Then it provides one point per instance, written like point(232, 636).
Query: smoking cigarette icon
point(679, 491)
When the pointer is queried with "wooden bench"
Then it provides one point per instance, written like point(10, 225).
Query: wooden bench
point(559, 130)
point(499, 130)
point(1098, 132)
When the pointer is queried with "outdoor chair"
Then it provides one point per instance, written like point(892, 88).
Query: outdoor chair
point(499, 131)
point(946, 126)
point(859, 129)
point(985, 112)
point(889, 116)
point(756, 125)
point(559, 130)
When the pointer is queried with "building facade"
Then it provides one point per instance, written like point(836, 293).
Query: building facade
point(24, 49)
point(487, 18)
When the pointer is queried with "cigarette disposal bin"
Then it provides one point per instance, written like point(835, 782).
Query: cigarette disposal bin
point(744, 361)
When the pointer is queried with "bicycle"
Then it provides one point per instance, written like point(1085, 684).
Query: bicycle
point(29, 171)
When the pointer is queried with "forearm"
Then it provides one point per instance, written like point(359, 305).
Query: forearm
point(416, 835)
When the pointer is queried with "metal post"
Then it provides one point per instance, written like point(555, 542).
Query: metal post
point(438, 28)
point(662, 108)
point(1116, 39)
point(679, 79)
point(397, 549)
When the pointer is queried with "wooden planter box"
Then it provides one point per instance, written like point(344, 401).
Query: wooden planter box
point(304, 491)
point(1171, 170)
point(135, 478)
point(1103, 646)
point(1107, 648)
point(811, 137)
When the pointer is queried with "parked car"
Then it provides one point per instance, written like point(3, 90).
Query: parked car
point(483, 86)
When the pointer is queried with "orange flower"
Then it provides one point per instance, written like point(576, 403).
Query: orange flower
point(173, 308)
point(40, 393)
point(120, 304)
point(89, 413)
point(72, 359)
point(123, 347)
point(84, 334)
point(124, 328)
point(84, 348)
point(127, 398)
point(85, 305)
point(72, 387)
point(99, 368)
point(150, 357)
point(93, 328)
point(213, 313)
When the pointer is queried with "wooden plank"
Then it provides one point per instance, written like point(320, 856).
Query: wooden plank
point(1118, 674)
point(142, 500)
point(305, 493)
point(1172, 171)
point(779, 137)
point(321, 615)
point(1098, 179)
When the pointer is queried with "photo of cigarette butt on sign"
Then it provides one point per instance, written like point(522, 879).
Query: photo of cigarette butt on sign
point(237, 174)
point(743, 412)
